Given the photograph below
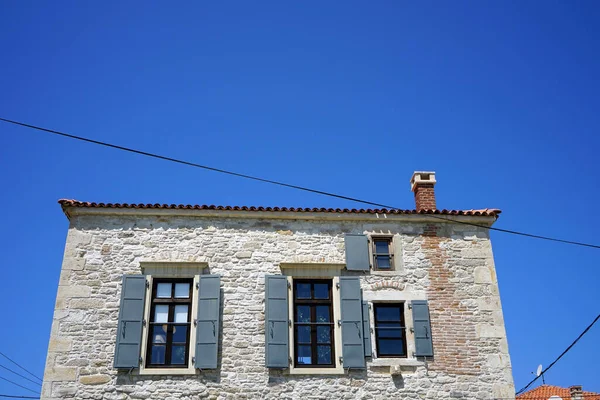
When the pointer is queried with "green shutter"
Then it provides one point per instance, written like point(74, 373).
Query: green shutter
point(357, 253)
point(207, 324)
point(422, 327)
point(131, 319)
point(366, 329)
point(276, 322)
point(353, 351)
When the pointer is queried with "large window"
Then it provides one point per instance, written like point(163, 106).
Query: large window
point(169, 327)
point(390, 330)
point(383, 258)
point(313, 324)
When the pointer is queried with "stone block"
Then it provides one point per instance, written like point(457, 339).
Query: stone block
point(490, 331)
point(94, 379)
point(74, 291)
point(483, 275)
point(59, 344)
point(60, 374)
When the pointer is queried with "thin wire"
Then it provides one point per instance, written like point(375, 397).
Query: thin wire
point(175, 160)
point(562, 354)
point(18, 397)
point(23, 368)
point(14, 383)
point(16, 373)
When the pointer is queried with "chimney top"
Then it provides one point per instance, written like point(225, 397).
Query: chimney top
point(576, 392)
point(421, 177)
point(422, 183)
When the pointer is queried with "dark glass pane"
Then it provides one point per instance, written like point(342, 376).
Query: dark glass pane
point(323, 334)
point(323, 314)
point(159, 334)
point(303, 355)
point(178, 355)
point(180, 334)
point(389, 333)
point(323, 354)
point(321, 291)
point(390, 347)
point(382, 247)
point(158, 354)
point(303, 291)
point(303, 334)
point(387, 313)
point(383, 262)
point(302, 313)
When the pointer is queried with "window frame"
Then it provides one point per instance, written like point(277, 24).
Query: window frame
point(313, 303)
point(192, 316)
point(403, 327)
point(390, 253)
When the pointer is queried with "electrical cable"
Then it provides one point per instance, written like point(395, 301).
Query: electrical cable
point(17, 397)
point(16, 373)
point(306, 189)
point(562, 354)
point(23, 368)
point(14, 383)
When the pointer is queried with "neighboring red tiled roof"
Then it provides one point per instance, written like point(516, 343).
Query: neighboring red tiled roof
point(544, 392)
point(488, 212)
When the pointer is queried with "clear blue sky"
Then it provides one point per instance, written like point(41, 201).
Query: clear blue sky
point(500, 98)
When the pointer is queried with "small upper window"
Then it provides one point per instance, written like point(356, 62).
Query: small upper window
point(169, 333)
point(390, 330)
point(383, 259)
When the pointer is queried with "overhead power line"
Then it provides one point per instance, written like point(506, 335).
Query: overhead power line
point(22, 376)
point(21, 386)
point(18, 365)
point(561, 354)
point(306, 189)
point(17, 397)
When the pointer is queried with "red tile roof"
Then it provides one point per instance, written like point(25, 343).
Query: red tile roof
point(544, 392)
point(488, 212)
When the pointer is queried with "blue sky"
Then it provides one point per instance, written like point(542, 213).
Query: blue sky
point(500, 98)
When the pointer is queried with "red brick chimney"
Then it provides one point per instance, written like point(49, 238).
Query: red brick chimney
point(422, 183)
point(576, 392)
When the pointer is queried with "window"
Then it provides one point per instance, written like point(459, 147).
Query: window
point(313, 324)
point(390, 330)
point(169, 327)
point(382, 254)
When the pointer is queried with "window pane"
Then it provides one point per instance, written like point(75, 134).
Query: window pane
point(303, 290)
point(303, 355)
point(323, 314)
point(383, 262)
point(158, 354)
point(323, 334)
point(178, 355)
point(163, 290)
point(382, 247)
point(161, 313)
point(321, 291)
point(303, 333)
point(389, 333)
point(387, 313)
point(302, 313)
point(180, 334)
point(181, 313)
point(182, 290)
point(390, 347)
point(159, 334)
point(323, 354)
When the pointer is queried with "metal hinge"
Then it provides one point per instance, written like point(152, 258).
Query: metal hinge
point(141, 360)
point(412, 330)
point(147, 284)
point(195, 322)
point(339, 322)
point(197, 285)
point(410, 305)
point(289, 285)
point(194, 360)
point(289, 322)
point(144, 322)
point(337, 285)
point(342, 360)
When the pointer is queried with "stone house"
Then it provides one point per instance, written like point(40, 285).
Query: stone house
point(187, 302)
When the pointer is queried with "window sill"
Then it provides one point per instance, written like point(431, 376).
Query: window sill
point(386, 273)
point(316, 371)
point(391, 362)
point(167, 371)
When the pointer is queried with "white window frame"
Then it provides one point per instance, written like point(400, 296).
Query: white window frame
point(395, 252)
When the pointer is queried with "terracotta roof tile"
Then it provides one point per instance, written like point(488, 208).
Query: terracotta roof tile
point(544, 392)
point(488, 212)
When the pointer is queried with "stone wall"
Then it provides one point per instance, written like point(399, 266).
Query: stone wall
point(451, 263)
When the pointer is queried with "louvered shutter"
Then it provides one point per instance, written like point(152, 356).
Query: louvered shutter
point(366, 329)
point(357, 253)
point(207, 328)
point(276, 322)
point(353, 351)
point(131, 317)
point(422, 327)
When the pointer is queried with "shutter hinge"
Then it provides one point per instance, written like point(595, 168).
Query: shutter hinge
point(410, 305)
point(339, 322)
point(147, 284)
point(289, 285)
point(197, 285)
point(290, 360)
point(342, 360)
point(195, 322)
point(144, 322)
point(141, 360)
point(337, 285)
point(194, 360)
point(412, 330)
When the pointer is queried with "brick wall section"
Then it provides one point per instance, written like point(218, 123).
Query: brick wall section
point(425, 196)
point(453, 329)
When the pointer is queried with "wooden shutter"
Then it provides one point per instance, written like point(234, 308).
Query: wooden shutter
point(353, 351)
point(131, 317)
point(207, 324)
point(276, 322)
point(357, 253)
point(366, 329)
point(422, 327)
